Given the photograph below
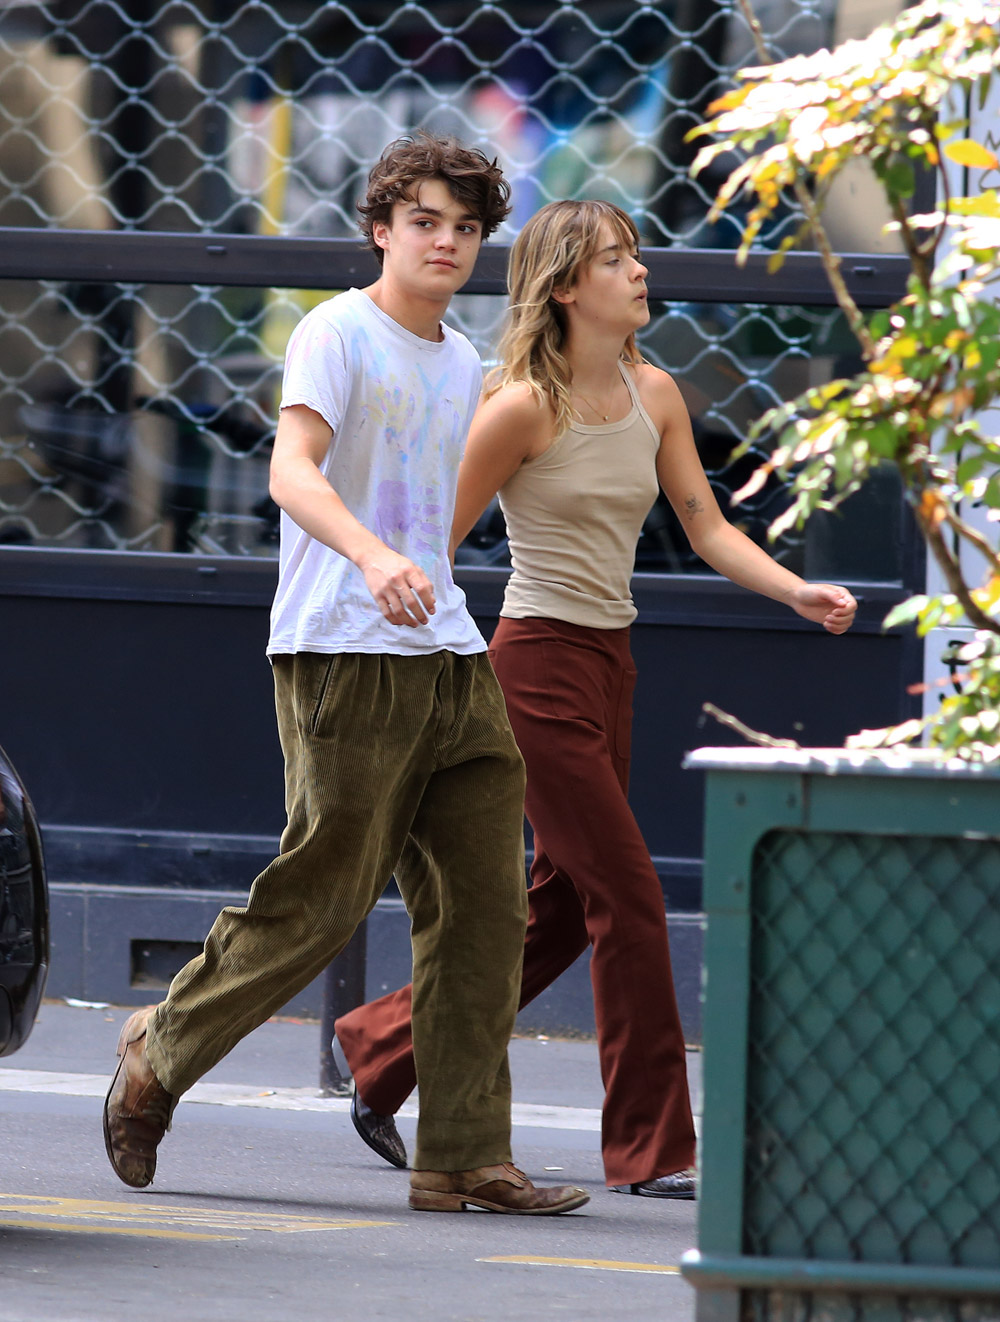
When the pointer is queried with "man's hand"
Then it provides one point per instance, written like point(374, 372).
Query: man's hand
point(402, 591)
point(825, 604)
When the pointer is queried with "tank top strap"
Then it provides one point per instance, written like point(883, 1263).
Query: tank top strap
point(637, 404)
point(631, 386)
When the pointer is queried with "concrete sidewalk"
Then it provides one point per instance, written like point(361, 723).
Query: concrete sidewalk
point(281, 1058)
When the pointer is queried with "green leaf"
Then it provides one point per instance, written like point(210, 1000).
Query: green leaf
point(906, 612)
point(992, 493)
point(900, 177)
point(883, 439)
point(969, 468)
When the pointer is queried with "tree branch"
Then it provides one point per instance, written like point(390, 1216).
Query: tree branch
point(751, 736)
point(974, 538)
point(917, 254)
point(930, 527)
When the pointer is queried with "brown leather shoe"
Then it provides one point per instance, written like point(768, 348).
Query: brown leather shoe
point(495, 1188)
point(137, 1109)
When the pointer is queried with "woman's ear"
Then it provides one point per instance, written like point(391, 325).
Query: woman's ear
point(563, 295)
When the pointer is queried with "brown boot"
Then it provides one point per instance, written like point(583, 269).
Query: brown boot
point(137, 1109)
point(495, 1188)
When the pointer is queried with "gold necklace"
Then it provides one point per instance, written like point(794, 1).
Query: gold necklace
point(593, 407)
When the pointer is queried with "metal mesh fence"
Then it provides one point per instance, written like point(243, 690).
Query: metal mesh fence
point(140, 417)
point(265, 117)
point(873, 1133)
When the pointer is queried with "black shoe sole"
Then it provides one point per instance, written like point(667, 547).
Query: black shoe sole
point(687, 1196)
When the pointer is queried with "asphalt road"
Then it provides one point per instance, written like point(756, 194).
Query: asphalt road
point(267, 1206)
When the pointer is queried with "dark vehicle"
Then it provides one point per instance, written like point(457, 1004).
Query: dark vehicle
point(24, 912)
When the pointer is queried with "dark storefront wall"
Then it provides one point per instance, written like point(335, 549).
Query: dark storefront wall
point(157, 716)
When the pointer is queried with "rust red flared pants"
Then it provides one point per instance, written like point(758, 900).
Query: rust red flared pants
point(569, 697)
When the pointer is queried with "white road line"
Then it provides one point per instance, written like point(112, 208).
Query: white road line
point(533, 1115)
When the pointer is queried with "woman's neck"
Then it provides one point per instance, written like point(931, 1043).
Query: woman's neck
point(595, 373)
point(596, 389)
point(593, 362)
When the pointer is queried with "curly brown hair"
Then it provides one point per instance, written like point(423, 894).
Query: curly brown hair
point(471, 177)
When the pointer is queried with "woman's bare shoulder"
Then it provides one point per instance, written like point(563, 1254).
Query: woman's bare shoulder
point(522, 414)
point(517, 399)
point(655, 380)
point(661, 396)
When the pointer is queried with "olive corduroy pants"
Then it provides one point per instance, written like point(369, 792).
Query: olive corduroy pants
point(392, 763)
point(569, 695)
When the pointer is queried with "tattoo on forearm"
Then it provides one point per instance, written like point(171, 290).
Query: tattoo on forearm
point(693, 506)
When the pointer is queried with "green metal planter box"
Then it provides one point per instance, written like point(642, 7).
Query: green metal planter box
point(850, 1162)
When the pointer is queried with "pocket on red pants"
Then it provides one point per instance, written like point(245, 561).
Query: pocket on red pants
point(623, 714)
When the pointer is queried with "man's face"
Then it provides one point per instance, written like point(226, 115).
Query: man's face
point(430, 243)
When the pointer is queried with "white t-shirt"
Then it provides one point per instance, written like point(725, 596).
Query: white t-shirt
point(400, 409)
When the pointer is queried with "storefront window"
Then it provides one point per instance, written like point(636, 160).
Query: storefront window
point(161, 441)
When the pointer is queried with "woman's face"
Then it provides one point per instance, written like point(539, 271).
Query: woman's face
point(610, 291)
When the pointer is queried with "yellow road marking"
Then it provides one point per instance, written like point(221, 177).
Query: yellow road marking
point(591, 1264)
point(159, 1220)
point(65, 1228)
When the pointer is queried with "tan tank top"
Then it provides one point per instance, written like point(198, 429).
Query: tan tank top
point(574, 516)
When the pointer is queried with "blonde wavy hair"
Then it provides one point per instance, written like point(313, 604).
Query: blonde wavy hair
point(548, 255)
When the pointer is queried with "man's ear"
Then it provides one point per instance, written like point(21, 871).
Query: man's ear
point(380, 234)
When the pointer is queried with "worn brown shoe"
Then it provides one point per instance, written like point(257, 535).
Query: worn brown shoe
point(137, 1109)
point(495, 1188)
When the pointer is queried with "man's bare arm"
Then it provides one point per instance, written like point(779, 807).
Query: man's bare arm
point(400, 589)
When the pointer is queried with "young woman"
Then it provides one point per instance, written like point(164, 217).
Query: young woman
point(577, 433)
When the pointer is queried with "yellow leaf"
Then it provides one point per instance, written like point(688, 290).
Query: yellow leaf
point(988, 596)
point(888, 367)
point(986, 204)
point(827, 164)
point(754, 483)
point(728, 101)
point(931, 507)
point(972, 154)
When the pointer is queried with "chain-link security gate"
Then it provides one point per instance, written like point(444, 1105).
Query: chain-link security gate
point(138, 415)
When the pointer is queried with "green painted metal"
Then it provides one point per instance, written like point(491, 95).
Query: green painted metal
point(740, 1271)
point(734, 812)
point(851, 1136)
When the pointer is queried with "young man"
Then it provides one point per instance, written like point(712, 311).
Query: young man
point(398, 753)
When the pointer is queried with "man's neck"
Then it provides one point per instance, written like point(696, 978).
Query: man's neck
point(420, 316)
